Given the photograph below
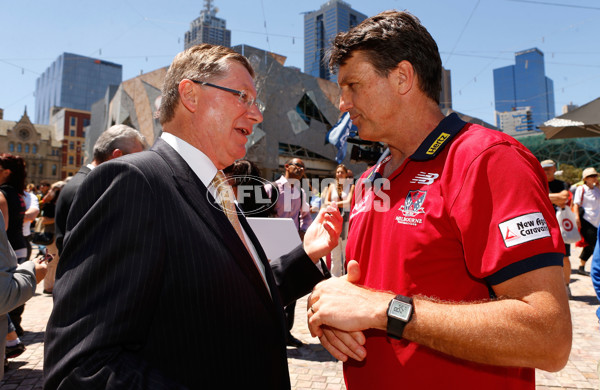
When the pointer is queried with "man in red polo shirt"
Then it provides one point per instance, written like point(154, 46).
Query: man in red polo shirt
point(458, 267)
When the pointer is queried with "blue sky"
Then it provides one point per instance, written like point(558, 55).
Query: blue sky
point(474, 37)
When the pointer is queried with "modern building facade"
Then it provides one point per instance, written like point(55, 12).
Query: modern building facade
point(515, 122)
point(320, 27)
point(208, 29)
point(36, 144)
point(73, 81)
point(70, 127)
point(525, 85)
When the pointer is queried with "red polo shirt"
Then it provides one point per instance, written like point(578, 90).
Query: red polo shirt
point(468, 210)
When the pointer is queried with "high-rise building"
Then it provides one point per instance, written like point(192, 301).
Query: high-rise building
point(208, 28)
point(525, 85)
point(73, 81)
point(320, 27)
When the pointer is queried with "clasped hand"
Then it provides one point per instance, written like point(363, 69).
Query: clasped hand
point(338, 312)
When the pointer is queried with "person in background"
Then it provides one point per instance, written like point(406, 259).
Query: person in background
point(17, 285)
point(456, 277)
point(116, 141)
point(587, 214)
point(291, 203)
point(32, 209)
point(559, 196)
point(47, 215)
point(340, 192)
point(247, 183)
point(12, 206)
point(595, 276)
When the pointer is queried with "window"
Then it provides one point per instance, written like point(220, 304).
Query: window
point(72, 145)
point(72, 133)
point(86, 122)
point(26, 148)
point(34, 149)
point(71, 160)
point(11, 147)
point(53, 169)
point(41, 169)
point(19, 148)
point(73, 121)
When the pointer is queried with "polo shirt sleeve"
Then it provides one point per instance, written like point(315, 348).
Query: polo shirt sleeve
point(503, 215)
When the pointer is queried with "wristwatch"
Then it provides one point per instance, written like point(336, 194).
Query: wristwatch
point(399, 314)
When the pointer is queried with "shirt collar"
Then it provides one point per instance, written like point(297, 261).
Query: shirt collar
point(202, 166)
point(439, 138)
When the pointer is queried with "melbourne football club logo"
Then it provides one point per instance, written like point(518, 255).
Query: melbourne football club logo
point(413, 204)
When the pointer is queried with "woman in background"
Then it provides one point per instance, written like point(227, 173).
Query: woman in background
point(340, 192)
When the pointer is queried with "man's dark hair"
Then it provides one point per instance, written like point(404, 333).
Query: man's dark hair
point(387, 39)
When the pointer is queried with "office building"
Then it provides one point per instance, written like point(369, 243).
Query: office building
point(208, 29)
point(516, 122)
point(320, 27)
point(73, 81)
point(70, 127)
point(525, 85)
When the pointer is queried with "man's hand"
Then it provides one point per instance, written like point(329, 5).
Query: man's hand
point(323, 233)
point(339, 310)
point(41, 266)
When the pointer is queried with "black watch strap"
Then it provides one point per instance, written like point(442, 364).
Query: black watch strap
point(400, 312)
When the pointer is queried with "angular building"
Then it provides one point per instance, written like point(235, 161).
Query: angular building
point(73, 81)
point(208, 29)
point(525, 85)
point(320, 27)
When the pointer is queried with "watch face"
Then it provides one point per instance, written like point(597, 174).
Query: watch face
point(400, 310)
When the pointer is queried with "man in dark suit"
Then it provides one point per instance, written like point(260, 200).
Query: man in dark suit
point(116, 141)
point(148, 250)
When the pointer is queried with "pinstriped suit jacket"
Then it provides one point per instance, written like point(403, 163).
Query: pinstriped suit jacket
point(155, 290)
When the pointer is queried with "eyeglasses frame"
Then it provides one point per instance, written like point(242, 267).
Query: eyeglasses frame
point(242, 95)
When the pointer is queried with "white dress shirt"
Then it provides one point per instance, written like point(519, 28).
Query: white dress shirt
point(206, 170)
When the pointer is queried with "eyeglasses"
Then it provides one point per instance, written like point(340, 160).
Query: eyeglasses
point(242, 95)
point(298, 165)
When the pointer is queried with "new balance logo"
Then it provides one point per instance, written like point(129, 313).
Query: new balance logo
point(425, 178)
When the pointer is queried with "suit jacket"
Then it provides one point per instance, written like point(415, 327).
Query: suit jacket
point(63, 204)
point(156, 290)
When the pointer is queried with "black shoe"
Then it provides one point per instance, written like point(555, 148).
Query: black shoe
point(14, 351)
point(47, 292)
point(293, 342)
point(582, 271)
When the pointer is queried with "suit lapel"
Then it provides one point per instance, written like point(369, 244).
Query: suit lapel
point(197, 195)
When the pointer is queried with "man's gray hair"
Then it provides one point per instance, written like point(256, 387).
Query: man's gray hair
point(120, 137)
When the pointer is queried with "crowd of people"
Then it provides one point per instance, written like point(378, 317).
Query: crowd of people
point(439, 261)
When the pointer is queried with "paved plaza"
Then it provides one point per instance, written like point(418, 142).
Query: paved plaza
point(311, 367)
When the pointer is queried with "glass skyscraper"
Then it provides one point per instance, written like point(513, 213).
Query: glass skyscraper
point(525, 85)
point(73, 81)
point(320, 27)
point(208, 29)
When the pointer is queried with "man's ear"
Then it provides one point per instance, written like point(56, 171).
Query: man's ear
point(188, 95)
point(116, 153)
point(403, 76)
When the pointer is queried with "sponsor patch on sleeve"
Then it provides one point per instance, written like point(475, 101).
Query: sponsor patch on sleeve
point(523, 229)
